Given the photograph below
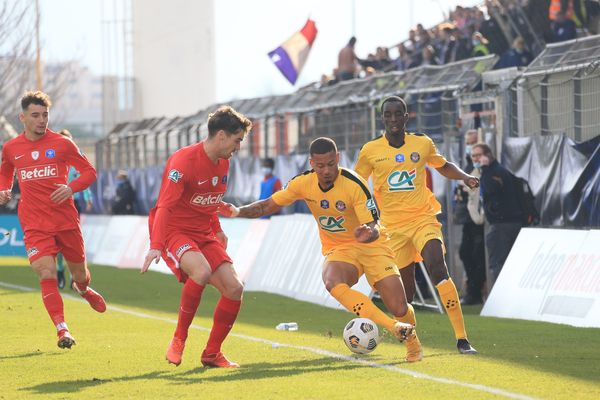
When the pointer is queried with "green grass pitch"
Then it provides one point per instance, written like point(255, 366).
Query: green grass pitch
point(120, 354)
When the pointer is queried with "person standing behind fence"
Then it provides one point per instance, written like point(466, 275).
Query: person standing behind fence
point(397, 162)
point(125, 195)
point(472, 247)
point(347, 67)
point(270, 183)
point(501, 207)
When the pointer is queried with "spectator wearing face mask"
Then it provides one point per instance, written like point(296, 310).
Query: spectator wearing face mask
point(479, 43)
point(270, 183)
point(517, 56)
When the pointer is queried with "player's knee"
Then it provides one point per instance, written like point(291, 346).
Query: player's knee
point(234, 292)
point(399, 309)
point(200, 275)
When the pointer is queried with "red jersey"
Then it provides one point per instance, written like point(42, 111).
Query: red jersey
point(39, 165)
point(190, 193)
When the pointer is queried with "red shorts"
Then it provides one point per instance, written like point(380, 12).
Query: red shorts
point(179, 243)
point(41, 243)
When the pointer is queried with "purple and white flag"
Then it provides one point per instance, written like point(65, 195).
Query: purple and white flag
point(292, 54)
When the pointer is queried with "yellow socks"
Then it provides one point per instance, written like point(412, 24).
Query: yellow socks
point(360, 305)
point(451, 303)
point(409, 317)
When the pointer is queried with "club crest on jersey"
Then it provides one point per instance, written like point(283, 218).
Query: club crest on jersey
point(415, 157)
point(324, 204)
point(224, 179)
point(402, 181)
point(215, 180)
point(332, 224)
point(399, 157)
point(50, 153)
point(340, 205)
point(175, 175)
point(35, 155)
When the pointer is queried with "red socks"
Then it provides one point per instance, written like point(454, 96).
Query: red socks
point(83, 286)
point(225, 314)
point(53, 302)
point(190, 299)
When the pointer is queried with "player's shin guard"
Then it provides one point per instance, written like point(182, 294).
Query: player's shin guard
point(360, 305)
point(53, 302)
point(451, 303)
point(190, 299)
point(225, 315)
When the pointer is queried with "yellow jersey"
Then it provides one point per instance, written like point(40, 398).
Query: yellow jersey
point(337, 210)
point(399, 177)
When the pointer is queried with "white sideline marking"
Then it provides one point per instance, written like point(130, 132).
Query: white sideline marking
point(414, 374)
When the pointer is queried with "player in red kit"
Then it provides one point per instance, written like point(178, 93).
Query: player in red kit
point(185, 230)
point(41, 159)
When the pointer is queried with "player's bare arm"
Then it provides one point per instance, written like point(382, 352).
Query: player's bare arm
point(451, 171)
point(255, 210)
point(5, 196)
point(367, 233)
point(153, 254)
point(61, 194)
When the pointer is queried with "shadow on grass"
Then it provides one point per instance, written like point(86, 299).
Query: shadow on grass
point(574, 351)
point(253, 371)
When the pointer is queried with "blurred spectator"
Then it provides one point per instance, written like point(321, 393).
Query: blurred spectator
point(479, 43)
point(574, 10)
point(427, 57)
point(517, 56)
point(501, 207)
point(270, 183)
point(453, 48)
point(347, 67)
point(472, 247)
point(125, 195)
point(563, 28)
point(404, 58)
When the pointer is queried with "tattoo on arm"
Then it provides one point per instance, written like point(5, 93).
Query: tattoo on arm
point(254, 210)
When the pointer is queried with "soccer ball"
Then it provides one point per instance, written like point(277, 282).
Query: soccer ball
point(361, 335)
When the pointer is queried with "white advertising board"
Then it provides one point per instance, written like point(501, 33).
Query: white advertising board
point(551, 275)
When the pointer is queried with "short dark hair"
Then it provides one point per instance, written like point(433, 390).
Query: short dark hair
point(352, 41)
point(269, 162)
point(228, 120)
point(487, 150)
point(394, 99)
point(322, 145)
point(38, 98)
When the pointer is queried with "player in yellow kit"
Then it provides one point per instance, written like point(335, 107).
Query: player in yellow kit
point(396, 161)
point(351, 238)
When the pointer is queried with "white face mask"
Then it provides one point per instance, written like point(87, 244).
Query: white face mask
point(468, 149)
point(267, 170)
point(477, 165)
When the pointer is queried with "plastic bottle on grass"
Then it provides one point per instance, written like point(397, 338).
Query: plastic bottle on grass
point(287, 326)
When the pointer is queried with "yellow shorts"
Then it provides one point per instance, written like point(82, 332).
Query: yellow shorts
point(407, 241)
point(376, 262)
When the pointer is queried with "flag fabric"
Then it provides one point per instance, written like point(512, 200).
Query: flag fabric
point(292, 54)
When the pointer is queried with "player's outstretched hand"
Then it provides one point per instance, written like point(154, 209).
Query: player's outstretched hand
point(228, 210)
point(5, 196)
point(363, 233)
point(471, 181)
point(153, 254)
point(62, 193)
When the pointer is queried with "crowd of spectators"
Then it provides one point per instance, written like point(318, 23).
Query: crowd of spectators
point(473, 32)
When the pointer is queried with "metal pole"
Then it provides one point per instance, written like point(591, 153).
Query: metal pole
point(38, 59)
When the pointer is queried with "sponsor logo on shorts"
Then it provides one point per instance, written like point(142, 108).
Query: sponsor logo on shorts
point(38, 172)
point(332, 224)
point(401, 181)
point(389, 268)
point(175, 175)
point(182, 249)
point(324, 204)
point(399, 157)
point(340, 205)
point(32, 252)
point(206, 199)
point(50, 153)
point(415, 157)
